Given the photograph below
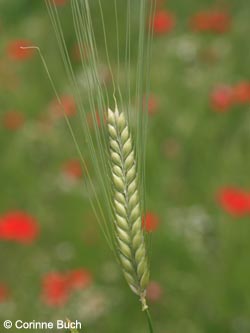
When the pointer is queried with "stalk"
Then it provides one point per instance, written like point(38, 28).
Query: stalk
point(149, 320)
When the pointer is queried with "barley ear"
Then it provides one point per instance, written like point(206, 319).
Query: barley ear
point(129, 235)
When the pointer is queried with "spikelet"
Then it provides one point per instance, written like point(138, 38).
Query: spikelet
point(127, 209)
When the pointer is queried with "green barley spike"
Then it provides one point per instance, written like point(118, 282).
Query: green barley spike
point(127, 208)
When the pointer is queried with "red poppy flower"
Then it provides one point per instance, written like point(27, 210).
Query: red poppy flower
point(19, 227)
point(154, 291)
point(73, 168)
point(220, 21)
point(150, 222)
point(15, 52)
point(152, 104)
point(163, 22)
point(234, 201)
point(222, 98)
point(4, 292)
point(215, 21)
point(67, 106)
point(55, 290)
point(57, 287)
point(79, 279)
point(200, 22)
point(13, 120)
point(241, 93)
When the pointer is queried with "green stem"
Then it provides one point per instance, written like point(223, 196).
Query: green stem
point(149, 319)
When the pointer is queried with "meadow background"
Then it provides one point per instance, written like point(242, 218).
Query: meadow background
point(54, 262)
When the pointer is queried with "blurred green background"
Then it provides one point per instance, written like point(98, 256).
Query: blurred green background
point(200, 252)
